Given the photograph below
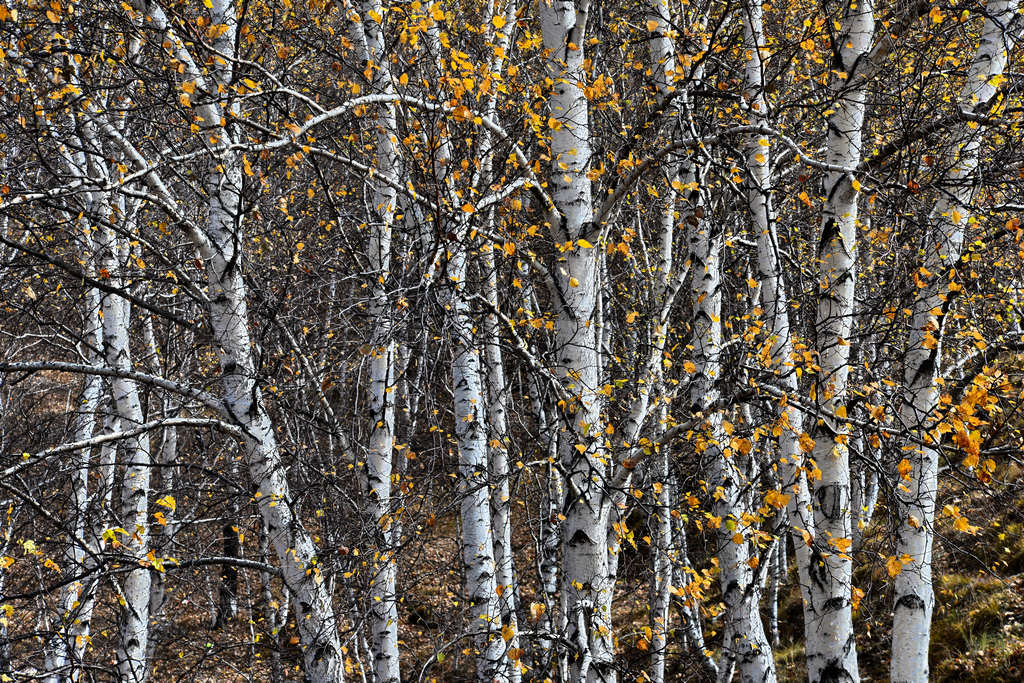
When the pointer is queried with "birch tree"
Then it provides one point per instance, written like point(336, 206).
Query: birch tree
point(831, 647)
point(914, 596)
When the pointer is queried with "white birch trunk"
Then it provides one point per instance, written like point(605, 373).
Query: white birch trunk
point(383, 625)
point(661, 576)
point(501, 517)
point(831, 643)
point(914, 596)
point(229, 317)
point(776, 310)
point(670, 553)
point(477, 538)
point(244, 400)
point(134, 626)
point(745, 646)
point(585, 581)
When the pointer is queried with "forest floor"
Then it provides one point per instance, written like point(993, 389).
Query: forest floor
point(978, 624)
point(977, 634)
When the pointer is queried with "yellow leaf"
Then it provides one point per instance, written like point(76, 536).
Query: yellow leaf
point(904, 468)
point(806, 443)
point(805, 199)
point(184, 100)
point(537, 610)
point(404, 79)
point(856, 185)
point(737, 538)
point(893, 566)
point(573, 282)
point(168, 502)
point(584, 243)
point(652, 25)
point(508, 633)
point(189, 87)
point(498, 21)
point(689, 367)
point(468, 208)
point(631, 316)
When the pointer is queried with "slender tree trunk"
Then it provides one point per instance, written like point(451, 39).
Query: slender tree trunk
point(745, 645)
point(914, 596)
point(134, 634)
point(585, 582)
point(501, 517)
point(383, 605)
point(477, 536)
point(661, 576)
point(831, 643)
point(778, 346)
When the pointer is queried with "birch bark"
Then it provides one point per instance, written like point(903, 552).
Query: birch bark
point(477, 537)
point(777, 352)
point(585, 582)
point(831, 644)
point(745, 647)
point(221, 249)
point(914, 596)
point(369, 39)
point(134, 626)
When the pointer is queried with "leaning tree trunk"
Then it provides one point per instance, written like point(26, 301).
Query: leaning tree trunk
point(222, 252)
point(914, 596)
